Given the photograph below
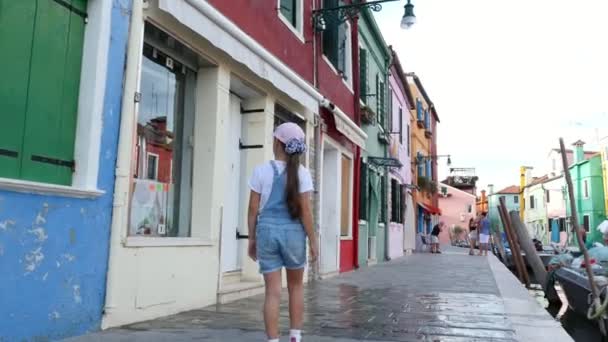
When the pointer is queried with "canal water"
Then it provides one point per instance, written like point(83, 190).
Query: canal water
point(579, 328)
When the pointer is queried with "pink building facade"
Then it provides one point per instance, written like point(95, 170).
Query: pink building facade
point(457, 208)
point(401, 234)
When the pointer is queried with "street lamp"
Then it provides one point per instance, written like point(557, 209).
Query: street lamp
point(409, 19)
point(340, 14)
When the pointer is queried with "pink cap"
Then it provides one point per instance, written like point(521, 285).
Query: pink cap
point(288, 131)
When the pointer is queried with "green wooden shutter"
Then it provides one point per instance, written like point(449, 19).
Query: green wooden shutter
point(364, 192)
point(16, 32)
point(50, 126)
point(288, 9)
point(331, 37)
point(363, 75)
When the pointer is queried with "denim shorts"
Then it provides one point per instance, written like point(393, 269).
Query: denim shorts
point(281, 246)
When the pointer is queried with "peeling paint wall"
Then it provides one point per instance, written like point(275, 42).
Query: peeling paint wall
point(54, 250)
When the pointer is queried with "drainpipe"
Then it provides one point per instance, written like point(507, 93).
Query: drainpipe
point(123, 161)
point(389, 116)
point(357, 161)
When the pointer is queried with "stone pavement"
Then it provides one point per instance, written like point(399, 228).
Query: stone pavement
point(423, 297)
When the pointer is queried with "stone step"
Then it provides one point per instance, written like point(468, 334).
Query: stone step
point(235, 291)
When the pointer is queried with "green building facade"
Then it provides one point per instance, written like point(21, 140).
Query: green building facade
point(587, 179)
point(374, 62)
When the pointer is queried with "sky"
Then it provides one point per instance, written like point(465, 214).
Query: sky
point(508, 78)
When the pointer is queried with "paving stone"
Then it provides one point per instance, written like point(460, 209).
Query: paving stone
point(451, 297)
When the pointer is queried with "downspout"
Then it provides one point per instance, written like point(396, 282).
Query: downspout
point(123, 159)
point(357, 161)
point(389, 116)
point(317, 205)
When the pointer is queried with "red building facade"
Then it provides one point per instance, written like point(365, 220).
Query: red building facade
point(288, 33)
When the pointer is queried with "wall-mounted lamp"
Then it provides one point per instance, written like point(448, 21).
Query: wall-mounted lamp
point(340, 14)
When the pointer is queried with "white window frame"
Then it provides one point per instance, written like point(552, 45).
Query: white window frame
point(87, 143)
point(157, 157)
point(348, 60)
point(298, 30)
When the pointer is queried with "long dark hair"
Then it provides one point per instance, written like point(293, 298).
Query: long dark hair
point(292, 189)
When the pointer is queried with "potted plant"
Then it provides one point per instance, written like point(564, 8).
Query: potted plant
point(368, 116)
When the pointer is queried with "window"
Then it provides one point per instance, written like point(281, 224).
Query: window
point(586, 223)
point(345, 203)
point(396, 202)
point(469, 208)
point(152, 166)
point(364, 189)
point(380, 102)
point(161, 197)
point(586, 188)
point(408, 140)
point(41, 56)
point(419, 110)
point(289, 10)
point(548, 196)
point(503, 198)
point(531, 204)
point(337, 44)
point(401, 126)
point(427, 120)
point(562, 224)
point(363, 75)
point(384, 199)
point(516, 199)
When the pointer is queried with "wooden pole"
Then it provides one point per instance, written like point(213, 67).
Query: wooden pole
point(534, 260)
point(515, 251)
point(526, 244)
point(499, 246)
point(578, 232)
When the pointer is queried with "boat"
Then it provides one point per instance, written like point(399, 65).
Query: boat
point(576, 289)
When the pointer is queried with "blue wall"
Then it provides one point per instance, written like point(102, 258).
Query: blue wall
point(54, 250)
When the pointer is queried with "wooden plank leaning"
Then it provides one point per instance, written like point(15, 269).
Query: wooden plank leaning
point(520, 265)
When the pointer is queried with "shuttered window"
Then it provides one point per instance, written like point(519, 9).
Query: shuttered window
point(41, 44)
point(289, 11)
point(345, 227)
point(419, 110)
point(364, 192)
point(330, 36)
point(396, 202)
point(363, 79)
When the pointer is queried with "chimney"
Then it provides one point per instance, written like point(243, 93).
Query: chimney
point(579, 153)
point(529, 177)
point(490, 189)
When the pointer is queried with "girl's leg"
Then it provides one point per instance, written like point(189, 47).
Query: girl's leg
point(296, 300)
point(272, 303)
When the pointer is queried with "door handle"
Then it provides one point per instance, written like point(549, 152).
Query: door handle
point(241, 237)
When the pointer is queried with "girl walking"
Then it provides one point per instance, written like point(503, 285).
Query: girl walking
point(280, 220)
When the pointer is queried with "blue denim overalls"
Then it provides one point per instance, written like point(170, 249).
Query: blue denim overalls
point(281, 240)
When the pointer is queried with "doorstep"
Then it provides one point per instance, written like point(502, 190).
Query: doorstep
point(235, 291)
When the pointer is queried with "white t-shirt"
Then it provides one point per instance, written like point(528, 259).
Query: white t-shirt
point(263, 176)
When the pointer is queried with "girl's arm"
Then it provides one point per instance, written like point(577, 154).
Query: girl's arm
point(252, 218)
point(307, 222)
point(252, 213)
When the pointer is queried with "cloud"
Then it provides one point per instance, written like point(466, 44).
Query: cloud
point(508, 78)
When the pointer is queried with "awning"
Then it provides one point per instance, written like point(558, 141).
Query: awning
point(209, 23)
point(382, 161)
point(430, 209)
point(352, 133)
